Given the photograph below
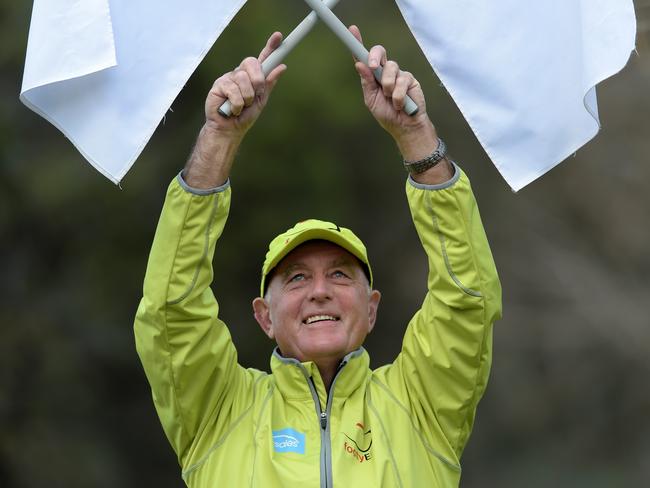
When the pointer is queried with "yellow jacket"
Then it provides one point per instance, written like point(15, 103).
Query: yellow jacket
point(402, 425)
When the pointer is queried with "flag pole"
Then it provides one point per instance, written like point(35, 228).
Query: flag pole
point(291, 41)
point(358, 50)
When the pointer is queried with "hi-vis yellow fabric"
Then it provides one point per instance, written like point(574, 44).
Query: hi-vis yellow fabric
point(309, 230)
point(402, 425)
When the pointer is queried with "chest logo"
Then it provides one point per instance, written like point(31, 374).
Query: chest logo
point(289, 440)
point(359, 444)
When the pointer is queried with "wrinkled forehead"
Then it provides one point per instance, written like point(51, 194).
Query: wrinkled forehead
point(314, 252)
point(317, 251)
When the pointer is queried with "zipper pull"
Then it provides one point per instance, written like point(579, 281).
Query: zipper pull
point(323, 420)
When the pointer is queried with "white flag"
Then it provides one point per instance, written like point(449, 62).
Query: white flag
point(524, 73)
point(105, 72)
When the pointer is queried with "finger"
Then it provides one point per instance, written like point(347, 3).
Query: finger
point(216, 90)
point(402, 85)
point(367, 78)
point(253, 68)
point(272, 79)
point(389, 78)
point(377, 57)
point(230, 89)
point(274, 75)
point(356, 33)
point(271, 45)
point(243, 82)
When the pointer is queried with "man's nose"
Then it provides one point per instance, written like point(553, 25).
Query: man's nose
point(321, 289)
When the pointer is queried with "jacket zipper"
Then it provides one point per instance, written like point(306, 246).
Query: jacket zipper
point(325, 441)
point(322, 419)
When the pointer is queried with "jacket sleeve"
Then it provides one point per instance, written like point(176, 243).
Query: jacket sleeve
point(443, 367)
point(186, 351)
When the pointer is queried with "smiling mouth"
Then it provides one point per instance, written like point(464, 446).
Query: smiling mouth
point(320, 318)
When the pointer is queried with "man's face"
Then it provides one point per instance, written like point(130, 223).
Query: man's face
point(319, 305)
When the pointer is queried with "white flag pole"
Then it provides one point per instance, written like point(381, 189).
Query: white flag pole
point(291, 41)
point(357, 49)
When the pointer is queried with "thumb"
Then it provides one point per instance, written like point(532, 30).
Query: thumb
point(356, 33)
point(368, 82)
point(272, 79)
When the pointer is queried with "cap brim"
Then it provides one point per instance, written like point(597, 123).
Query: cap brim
point(333, 236)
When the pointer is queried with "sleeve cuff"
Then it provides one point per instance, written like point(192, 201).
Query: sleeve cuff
point(201, 191)
point(439, 186)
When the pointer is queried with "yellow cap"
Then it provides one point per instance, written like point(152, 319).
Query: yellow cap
point(309, 230)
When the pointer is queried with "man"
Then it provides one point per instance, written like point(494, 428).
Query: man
point(322, 418)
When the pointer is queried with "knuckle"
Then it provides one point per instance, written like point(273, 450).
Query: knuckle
point(258, 79)
point(224, 86)
point(388, 83)
point(392, 65)
point(250, 63)
point(221, 81)
point(237, 102)
point(248, 96)
point(233, 94)
point(241, 76)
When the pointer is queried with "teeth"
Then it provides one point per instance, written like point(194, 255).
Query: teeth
point(317, 318)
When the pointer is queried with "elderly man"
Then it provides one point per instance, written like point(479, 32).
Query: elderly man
point(322, 418)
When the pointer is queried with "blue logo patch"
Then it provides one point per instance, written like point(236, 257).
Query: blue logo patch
point(289, 440)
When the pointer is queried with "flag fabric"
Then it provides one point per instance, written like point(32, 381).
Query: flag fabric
point(105, 73)
point(524, 73)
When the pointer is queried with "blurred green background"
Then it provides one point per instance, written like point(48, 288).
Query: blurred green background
point(568, 404)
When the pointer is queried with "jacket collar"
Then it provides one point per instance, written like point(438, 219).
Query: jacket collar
point(292, 377)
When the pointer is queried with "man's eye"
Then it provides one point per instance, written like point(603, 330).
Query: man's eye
point(297, 277)
point(339, 274)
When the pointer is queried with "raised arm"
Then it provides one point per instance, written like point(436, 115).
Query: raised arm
point(442, 370)
point(415, 136)
point(186, 350)
point(248, 91)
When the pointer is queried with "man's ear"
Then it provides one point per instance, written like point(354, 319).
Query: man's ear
point(373, 305)
point(262, 312)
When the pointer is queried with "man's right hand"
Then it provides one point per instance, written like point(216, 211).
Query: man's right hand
point(246, 89)
point(248, 92)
